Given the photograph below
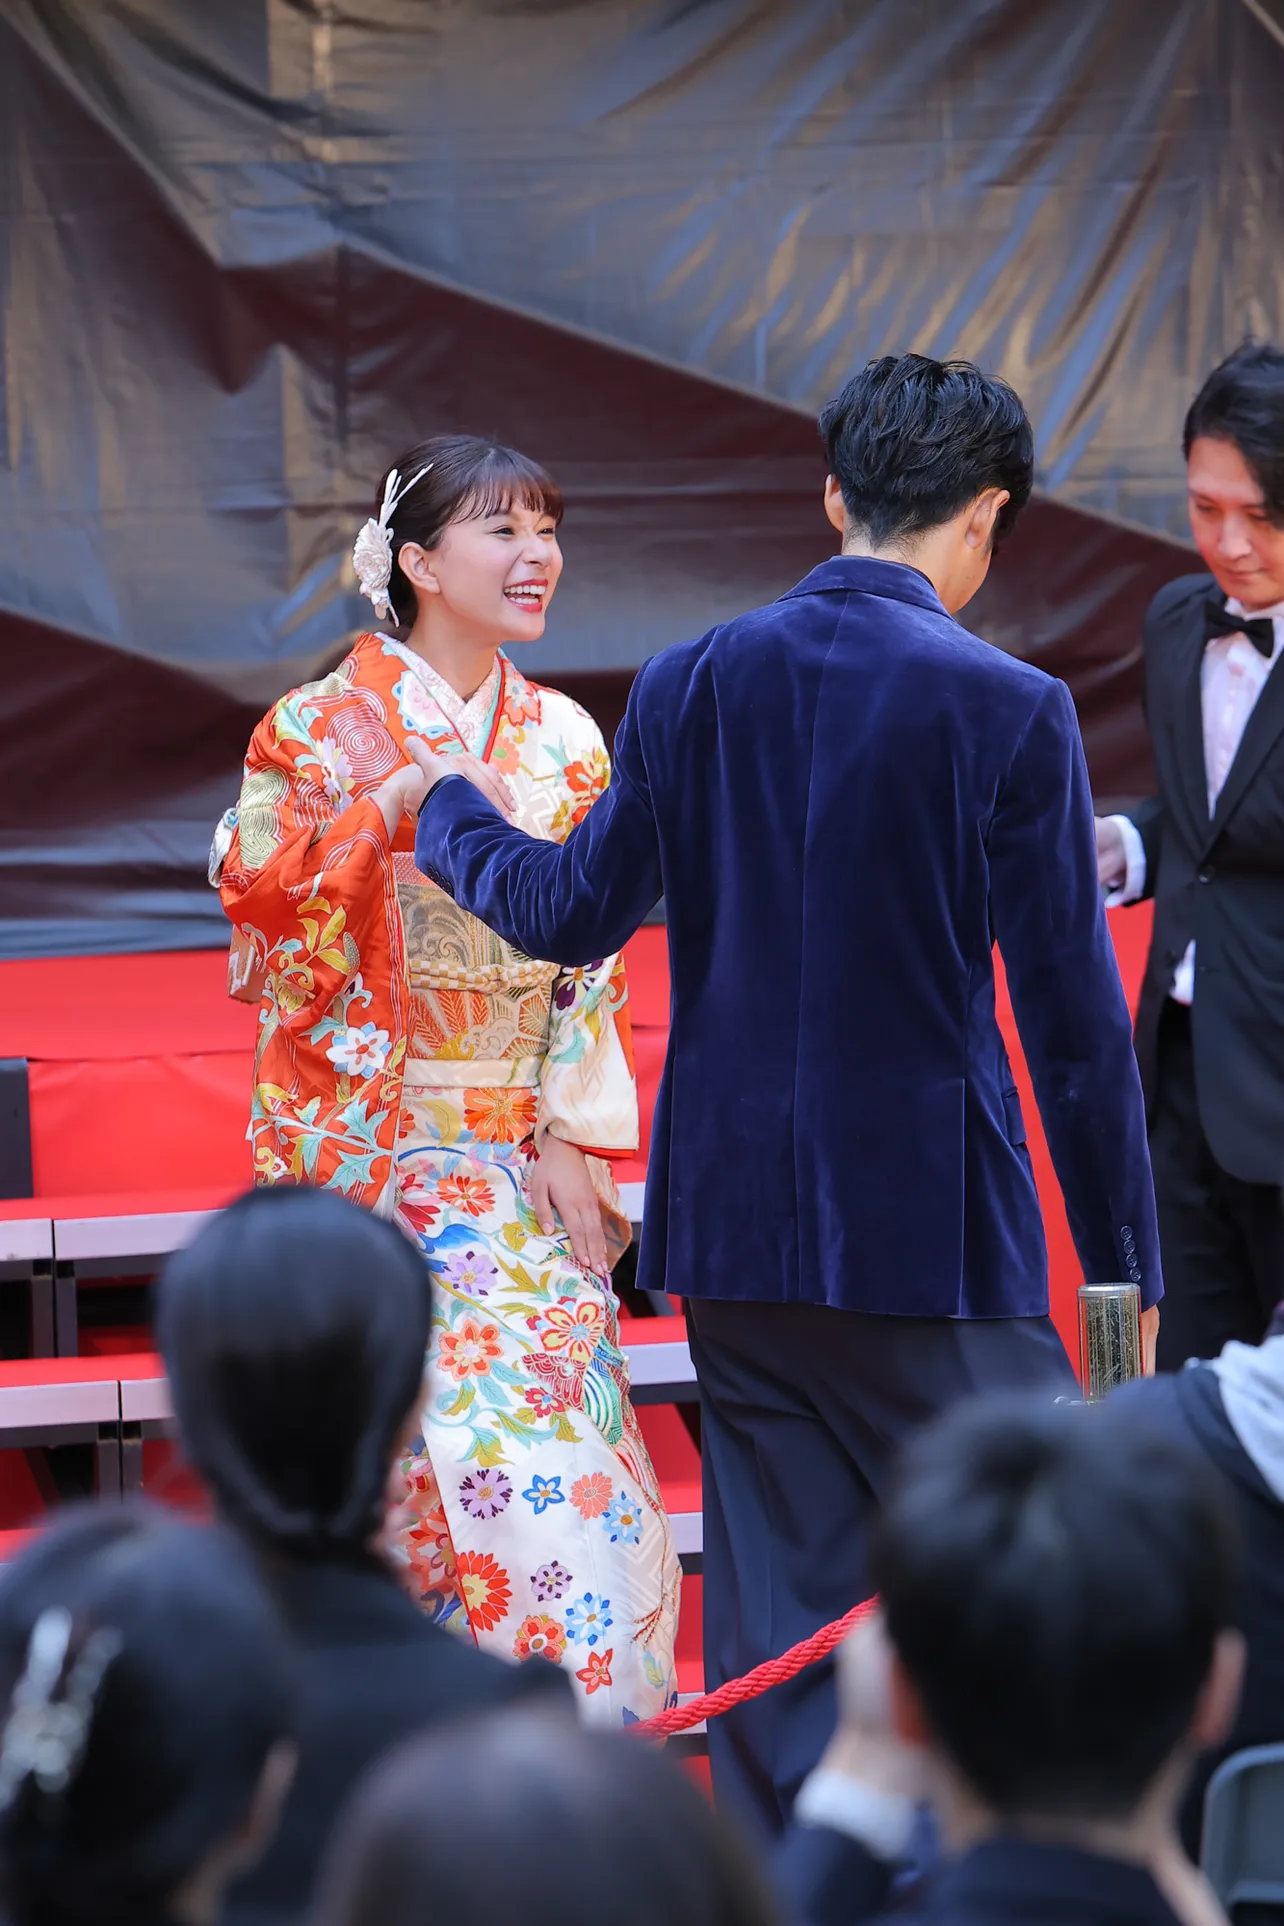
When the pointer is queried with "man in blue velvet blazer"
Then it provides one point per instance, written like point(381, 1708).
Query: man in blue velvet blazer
point(845, 799)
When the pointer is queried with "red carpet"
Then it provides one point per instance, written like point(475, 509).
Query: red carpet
point(140, 1069)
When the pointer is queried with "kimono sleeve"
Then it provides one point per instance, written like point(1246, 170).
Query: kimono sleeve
point(307, 877)
point(588, 1095)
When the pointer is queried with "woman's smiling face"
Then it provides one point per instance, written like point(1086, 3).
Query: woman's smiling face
point(494, 573)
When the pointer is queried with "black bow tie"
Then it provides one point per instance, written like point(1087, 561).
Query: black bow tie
point(1219, 621)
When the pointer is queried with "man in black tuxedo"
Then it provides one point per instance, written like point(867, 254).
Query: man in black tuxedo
point(1210, 849)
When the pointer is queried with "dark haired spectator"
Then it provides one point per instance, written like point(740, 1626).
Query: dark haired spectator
point(522, 1817)
point(294, 1330)
point(1207, 847)
point(1231, 1411)
point(147, 1706)
point(1056, 1588)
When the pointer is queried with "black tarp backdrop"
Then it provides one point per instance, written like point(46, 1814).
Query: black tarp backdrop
point(249, 250)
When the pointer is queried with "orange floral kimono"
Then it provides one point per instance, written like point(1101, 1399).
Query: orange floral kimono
point(411, 1059)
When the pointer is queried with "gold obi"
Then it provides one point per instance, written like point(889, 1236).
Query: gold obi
point(475, 1000)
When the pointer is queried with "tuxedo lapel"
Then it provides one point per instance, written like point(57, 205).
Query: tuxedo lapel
point(1190, 789)
point(1261, 732)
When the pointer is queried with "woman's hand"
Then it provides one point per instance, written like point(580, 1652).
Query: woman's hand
point(400, 794)
point(561, 1185)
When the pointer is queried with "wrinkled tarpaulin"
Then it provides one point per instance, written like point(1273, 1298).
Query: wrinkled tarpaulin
point(251, 249)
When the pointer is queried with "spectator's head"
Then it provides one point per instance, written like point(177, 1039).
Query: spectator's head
point(294, 1329)
point(576, 1826)
point(145, 1686)
point(1056, 1583)
point(473, 520)
point(1233, 442)
point(930, 463)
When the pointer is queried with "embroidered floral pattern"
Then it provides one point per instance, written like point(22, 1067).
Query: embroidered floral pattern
point(472, 1271)
point(540, 1637)
point(485, 1587)
point(543, 1492)
point(574, 1329)
point(588, 1619)
point(485, 1494)
point(360, 1051)
point(591, 1494)
point(596, 1671)
point(550, 1581)
point(468, 1194)
point(500, 1116)
point(470, 1351)
point(622, 1520)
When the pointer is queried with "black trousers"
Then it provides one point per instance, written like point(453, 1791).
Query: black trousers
point(1221, 1239)
point(802, 1411)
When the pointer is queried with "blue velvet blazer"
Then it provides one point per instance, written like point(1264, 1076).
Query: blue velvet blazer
point(845, 799)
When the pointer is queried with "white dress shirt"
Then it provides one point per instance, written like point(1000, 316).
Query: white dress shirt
point(1231, 677)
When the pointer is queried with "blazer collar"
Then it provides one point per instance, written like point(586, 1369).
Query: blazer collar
point(864, 575)
point(1014, 1879)
point(1261, 732)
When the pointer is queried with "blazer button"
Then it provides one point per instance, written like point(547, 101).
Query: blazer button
point(1206, 875)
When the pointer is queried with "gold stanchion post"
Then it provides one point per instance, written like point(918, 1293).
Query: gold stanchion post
point(1109, 1337)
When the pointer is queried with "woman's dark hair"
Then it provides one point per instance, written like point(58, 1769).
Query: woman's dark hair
point(1054, 1579)
point(467, 478)
point(1242, 402)
point(560, 1803)
point(196, 1691)
point(294, 1329)
point(912, 441)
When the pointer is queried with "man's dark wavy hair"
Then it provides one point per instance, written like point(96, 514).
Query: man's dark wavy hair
point(912, 441)
point(1242, 402)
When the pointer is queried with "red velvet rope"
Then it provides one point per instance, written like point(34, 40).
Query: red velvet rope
point(680, 1718)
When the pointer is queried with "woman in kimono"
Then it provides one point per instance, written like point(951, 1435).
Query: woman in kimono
point(411, 1059)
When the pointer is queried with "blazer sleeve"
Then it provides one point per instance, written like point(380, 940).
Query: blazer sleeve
point(1068, 1000)
point(571, 903)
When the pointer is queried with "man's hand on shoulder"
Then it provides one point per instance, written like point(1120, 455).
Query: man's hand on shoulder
point(494, 787)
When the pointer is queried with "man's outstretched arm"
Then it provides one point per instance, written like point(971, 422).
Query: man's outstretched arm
point(1069, 1002)
point(570, 902)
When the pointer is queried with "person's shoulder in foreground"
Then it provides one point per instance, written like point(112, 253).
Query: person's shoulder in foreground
point(1231, 1409)
point(365, 1639)
point(147, 1719)
point(1046, 1661)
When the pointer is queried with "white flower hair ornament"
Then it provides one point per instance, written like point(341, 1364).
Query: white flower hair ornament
point(45, 1737)
point(372, 550)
